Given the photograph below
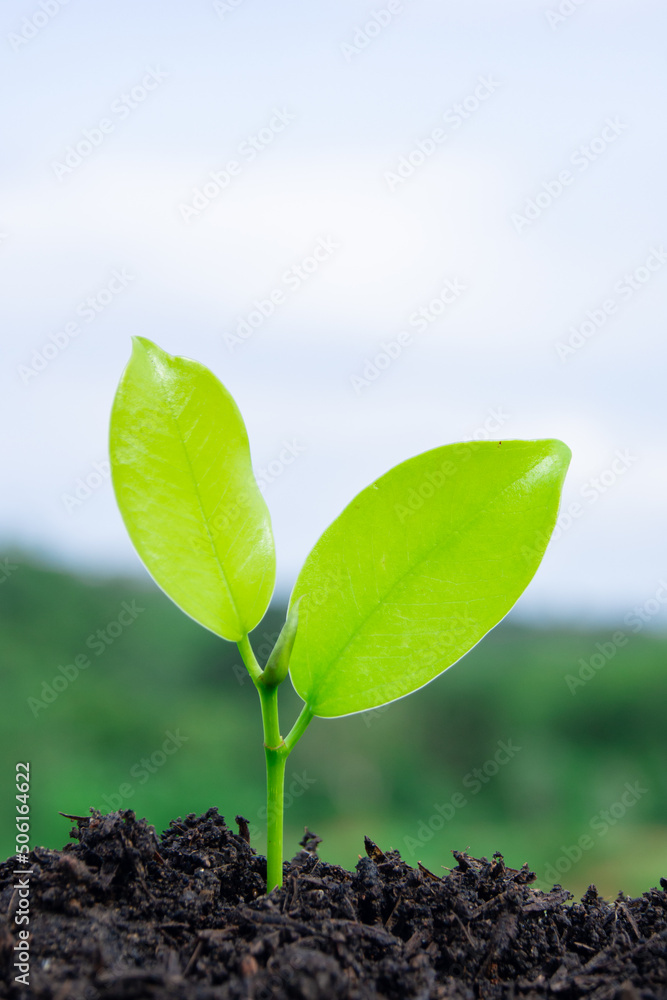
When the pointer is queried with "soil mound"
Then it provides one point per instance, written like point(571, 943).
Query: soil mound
point(120, 914)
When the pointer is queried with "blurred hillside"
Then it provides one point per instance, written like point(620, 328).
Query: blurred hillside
point(548, 746)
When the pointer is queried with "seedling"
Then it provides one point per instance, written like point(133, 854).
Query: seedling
point(416, 569)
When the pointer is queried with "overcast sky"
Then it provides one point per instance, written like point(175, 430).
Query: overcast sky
point(385, 226)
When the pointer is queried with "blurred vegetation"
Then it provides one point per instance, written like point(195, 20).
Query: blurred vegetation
point(392, 774)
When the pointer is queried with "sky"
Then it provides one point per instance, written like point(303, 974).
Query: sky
point(384, 226)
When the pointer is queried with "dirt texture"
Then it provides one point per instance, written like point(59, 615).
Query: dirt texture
point(121, 914)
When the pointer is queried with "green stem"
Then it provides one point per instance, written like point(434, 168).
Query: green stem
point(249, 658)
point(299, 728)
point(272, 738)
point(277, 750)
point(276, 759)
point(275, 788)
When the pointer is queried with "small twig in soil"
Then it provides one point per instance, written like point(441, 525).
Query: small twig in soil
point(244, 829)
point(424, 870)
point(465, 930)
point(193, 958)
point(626, 913)
point(374, 852)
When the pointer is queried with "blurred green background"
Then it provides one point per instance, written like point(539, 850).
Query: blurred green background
point(500, 753)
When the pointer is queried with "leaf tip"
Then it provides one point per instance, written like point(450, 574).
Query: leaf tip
point(143, 347)
point(141, 343)
point(560, 452)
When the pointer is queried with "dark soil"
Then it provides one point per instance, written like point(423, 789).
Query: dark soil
point(119, 914)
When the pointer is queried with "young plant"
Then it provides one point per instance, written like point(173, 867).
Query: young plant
point(416, 569)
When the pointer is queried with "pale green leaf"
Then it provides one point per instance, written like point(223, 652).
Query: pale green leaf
point(419, 567)
point(184, 483)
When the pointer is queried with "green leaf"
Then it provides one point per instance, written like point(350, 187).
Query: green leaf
point(419, 567)
point(184, 483)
